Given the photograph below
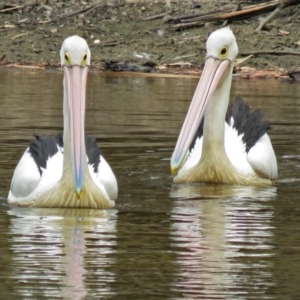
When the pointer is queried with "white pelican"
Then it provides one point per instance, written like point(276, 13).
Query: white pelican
point(68, 170)
point(232, 146)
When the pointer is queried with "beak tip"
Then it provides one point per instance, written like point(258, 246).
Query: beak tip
point(78, 193)
point(173, 170)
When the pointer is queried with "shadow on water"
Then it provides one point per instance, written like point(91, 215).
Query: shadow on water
point(162, 240)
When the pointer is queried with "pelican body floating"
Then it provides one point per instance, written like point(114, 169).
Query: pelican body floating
point(67, 170)
point(220, 142)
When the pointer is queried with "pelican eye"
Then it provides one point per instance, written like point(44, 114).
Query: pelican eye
point(84, 58)
point(67, 58)
point(223, 52)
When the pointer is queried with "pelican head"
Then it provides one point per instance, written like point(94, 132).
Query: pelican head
point(75, 59)
point(221, 44)
point(216, 78)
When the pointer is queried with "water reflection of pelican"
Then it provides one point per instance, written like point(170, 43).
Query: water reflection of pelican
point(228, 145)
point(200, 191)
point(68, 170)
point(53, 250)
point(222, 245)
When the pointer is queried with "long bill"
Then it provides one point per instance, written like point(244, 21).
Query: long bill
point(214, 73)
point(75, 81)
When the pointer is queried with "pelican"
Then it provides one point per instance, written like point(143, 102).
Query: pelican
point(220, 142)
point(67, 170)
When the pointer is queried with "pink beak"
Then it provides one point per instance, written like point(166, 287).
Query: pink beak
point(212, 76)
point(75, 81)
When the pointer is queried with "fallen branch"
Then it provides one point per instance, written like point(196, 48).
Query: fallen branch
point(246, 12)
point(194, 17)
point(271, 52)
point(25, 67)
point(251, 73)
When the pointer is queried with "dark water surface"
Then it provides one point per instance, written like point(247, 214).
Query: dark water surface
point(161, 241)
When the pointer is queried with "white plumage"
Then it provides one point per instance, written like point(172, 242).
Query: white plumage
point(258, 156)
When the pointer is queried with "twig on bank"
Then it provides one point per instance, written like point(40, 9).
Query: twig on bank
point(184, 56)
point(268, 18)
point(19, 35)
point(155, 17)
point(187, 25)
point(293, 16)
point(16, 7)
point(240, 61)
point(83, 10)
point(86, 10)
point(271, 52)
point(2, 58)
point(108, 44)
point(237, 7)
point(276, 68)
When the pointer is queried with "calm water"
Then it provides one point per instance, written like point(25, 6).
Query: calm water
point(161, 241)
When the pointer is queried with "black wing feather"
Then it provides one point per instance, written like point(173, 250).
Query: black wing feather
point(43, 147)
point(198, 134)
point(249, 124)
point(93, 152)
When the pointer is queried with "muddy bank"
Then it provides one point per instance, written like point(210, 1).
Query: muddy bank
point(122, 32)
